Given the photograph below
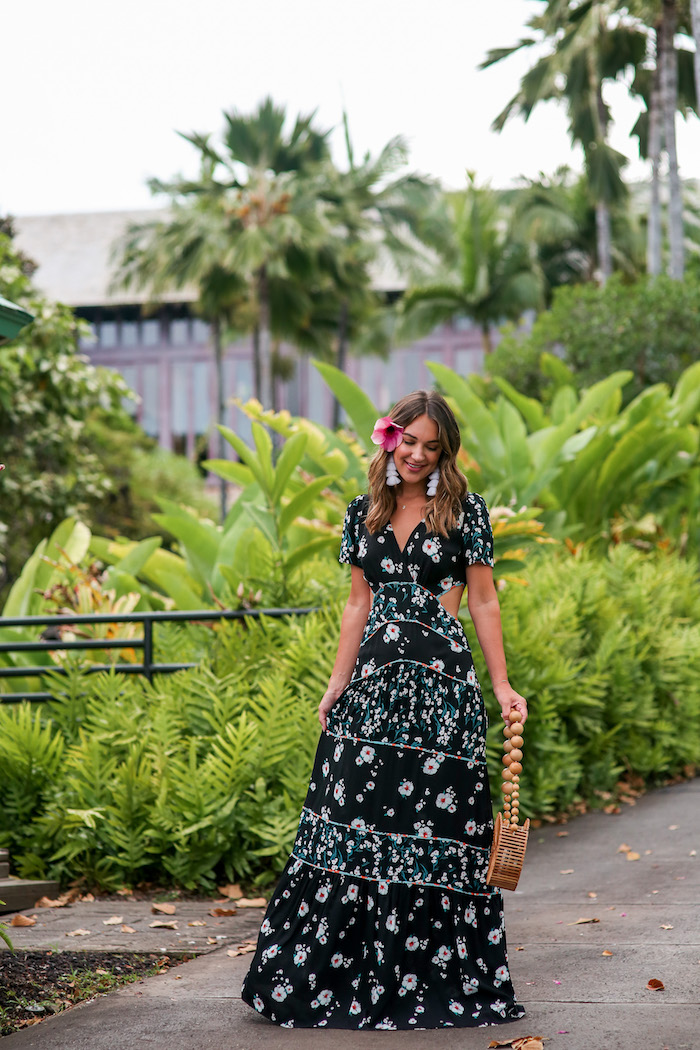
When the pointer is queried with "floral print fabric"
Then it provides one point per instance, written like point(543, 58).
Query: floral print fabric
point(382, 918)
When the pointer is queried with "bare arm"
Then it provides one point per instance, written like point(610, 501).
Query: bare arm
point(482, 601)
point(352, 626)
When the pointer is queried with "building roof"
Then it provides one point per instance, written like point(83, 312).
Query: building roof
point(74, 256)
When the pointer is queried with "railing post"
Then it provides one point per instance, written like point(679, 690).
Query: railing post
point(148, 649)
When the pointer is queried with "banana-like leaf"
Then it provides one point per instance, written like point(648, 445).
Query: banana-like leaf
point(237, 473)
point(200, 542)
point(247, 455)
point(302, 502)
point(301, 554)
point(134, 561)
point(530, 409)
point(358, 406)
point(486, 440)
point(71, 540)
point(289, 459)
point(22, 590)
point(263, 444)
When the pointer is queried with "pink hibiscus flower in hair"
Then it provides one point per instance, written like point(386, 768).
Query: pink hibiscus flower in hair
point(387, 433)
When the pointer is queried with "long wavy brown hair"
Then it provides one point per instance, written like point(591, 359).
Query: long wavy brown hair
point(442, 509)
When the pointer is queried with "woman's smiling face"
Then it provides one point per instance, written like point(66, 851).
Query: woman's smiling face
point(419, 452)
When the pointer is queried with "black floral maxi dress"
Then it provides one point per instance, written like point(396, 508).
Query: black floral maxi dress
point(382, 917)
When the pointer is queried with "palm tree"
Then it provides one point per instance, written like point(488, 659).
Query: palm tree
point(490, 274)
point(666, 84)
point(584, 52)
point(181, 251)
point(385, 214)
point(243, 234)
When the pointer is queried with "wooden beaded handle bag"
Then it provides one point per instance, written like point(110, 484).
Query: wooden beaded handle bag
point(509, 837)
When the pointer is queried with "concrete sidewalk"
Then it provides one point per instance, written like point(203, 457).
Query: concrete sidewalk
point(577, 998)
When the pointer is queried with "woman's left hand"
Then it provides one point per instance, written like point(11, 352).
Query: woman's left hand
point(509, 700)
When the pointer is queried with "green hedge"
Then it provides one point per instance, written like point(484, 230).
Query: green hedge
point(200, 777)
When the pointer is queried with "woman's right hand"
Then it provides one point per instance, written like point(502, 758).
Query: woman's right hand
point(330, 696)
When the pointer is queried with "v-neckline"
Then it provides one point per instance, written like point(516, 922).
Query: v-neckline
point(402, 550)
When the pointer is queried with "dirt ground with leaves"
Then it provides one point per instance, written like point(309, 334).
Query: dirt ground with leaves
point(38, 984)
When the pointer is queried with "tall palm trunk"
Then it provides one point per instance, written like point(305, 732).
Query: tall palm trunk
point(669, 103)
point(654, 154)
point(603, 240)
point(220, 408)
point(257, 378)
point(341, 357)
point(266, 379)
point(695, 21)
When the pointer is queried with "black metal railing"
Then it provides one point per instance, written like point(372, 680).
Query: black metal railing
point(148, 667)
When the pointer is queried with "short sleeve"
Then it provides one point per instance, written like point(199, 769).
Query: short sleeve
point(350, 541)
point(476, 531)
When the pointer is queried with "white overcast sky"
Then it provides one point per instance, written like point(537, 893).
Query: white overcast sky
point(95, 90)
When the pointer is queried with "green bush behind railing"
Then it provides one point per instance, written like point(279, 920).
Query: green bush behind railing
point(200, 777)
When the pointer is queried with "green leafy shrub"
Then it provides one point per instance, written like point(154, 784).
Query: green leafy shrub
point(197, 777)
point(648, 327)
point(201, 775)
point(607, 650)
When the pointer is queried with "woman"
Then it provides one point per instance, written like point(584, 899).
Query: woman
point(382, 917)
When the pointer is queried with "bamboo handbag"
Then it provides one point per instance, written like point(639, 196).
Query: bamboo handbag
point(509, 837)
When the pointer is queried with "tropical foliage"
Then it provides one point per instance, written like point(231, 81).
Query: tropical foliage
point(489, 273)
point(648, 327)
point(200, 777)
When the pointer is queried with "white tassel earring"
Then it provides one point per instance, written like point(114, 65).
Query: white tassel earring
point(433, 479)
point(392, 474)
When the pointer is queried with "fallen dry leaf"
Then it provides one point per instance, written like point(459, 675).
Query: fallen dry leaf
point(78, 933)
point(567, 871)
point(116, 920)
point(178, 976)
point(125, 892)
point(527, 1042)
point(612, 807)
point(673, 827)
point(655, 985)
point(242, 949)
point(87, 898)
point(580, 922)
point(101, 971)
point(623, 848)
point(232, 891)
point(252, 902)
point(222, 911)
point(128, 929)
point(693, 853)
point(631, 855)
point(196, 922)
point(23, 920)
point(592, 895)
point(212, 940)
point(665, 927)
point(58, 902)
point(606, 953)
point(562, 834)
point(163, 924)
point(163, 909)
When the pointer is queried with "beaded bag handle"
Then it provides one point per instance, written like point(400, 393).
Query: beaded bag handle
point(509, 837)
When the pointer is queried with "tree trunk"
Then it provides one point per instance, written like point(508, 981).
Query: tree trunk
point(342, 356)
point(603, 241)
point(265, 357)
point(669, 103)
point(486, 338)
point(654, 154)
point(695, 21)
point(257, 383)
point(220, 409)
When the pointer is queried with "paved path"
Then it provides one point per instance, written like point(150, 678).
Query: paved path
point(648, 913)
